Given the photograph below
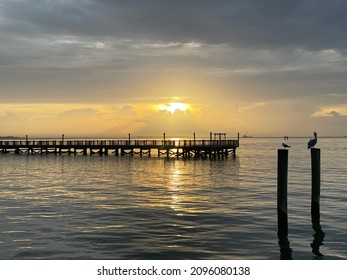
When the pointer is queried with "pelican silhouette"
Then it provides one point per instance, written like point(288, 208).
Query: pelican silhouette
point(284, 145)
point(312, 141)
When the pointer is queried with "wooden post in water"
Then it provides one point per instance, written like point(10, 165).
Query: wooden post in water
point(282, 191)
point(315, 190)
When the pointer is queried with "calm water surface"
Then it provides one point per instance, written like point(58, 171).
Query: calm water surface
point(108, 207)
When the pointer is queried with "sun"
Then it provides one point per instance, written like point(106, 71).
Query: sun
point(173, 106)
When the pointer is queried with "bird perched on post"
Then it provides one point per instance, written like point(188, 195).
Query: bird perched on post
point(284, 145)
point(312, 141)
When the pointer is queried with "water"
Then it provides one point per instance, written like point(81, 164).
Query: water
point(108, 207)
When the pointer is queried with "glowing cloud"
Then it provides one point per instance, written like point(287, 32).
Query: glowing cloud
point(173, 106)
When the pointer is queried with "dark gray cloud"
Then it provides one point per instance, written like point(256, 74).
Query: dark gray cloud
point(310, 24)
point(73, 50)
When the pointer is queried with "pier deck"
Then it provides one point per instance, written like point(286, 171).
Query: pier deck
point(168, 148)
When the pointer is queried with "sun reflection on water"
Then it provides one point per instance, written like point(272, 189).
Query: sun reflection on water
point(174, 189)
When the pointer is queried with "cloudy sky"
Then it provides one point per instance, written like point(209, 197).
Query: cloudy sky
point(106, 68)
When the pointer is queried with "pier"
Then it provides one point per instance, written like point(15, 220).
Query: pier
point(217, 148)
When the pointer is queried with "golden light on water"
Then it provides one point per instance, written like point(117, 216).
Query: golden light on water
point(174, 187)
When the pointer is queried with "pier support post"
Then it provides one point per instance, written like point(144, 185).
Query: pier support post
point(282, 209)
point(282, 191)
point(315, 189)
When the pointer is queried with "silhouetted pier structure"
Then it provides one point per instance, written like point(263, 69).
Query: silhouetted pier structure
point(169, 148)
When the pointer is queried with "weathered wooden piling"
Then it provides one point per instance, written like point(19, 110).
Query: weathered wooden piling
point(282, 192)
point(318, 236)
point(315, 189)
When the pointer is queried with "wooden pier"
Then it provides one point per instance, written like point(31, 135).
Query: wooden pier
point(168, 148)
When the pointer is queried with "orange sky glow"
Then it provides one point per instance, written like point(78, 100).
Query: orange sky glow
point(226, 70)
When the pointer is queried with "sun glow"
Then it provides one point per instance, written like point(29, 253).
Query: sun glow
point(173, 106)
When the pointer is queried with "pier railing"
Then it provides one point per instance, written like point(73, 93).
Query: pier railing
point(120, 143)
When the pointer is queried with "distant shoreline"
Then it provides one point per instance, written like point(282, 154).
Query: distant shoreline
point(10, 137)
point(158, 137)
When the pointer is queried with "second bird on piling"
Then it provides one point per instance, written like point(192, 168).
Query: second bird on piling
point(284, 145)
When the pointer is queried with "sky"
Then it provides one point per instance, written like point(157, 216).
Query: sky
point(102, 68)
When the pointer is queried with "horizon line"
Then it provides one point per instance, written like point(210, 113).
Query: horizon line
point(9, 137)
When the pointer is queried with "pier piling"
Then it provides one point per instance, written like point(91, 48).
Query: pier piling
point(315, 189)
point(282, 191)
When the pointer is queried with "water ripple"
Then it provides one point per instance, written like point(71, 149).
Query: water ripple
point(78, 207)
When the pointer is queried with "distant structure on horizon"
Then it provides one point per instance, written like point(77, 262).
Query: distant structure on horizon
point(247, 136)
